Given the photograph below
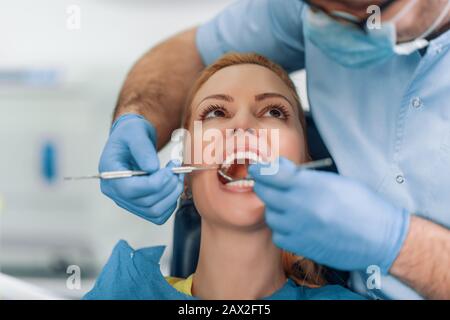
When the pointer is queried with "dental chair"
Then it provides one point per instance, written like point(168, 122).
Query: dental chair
point(186, 239)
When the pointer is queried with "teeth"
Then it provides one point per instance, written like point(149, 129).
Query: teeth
point(241, 183)
point(241, 156)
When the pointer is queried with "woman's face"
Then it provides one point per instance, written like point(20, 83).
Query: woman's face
point(256, 102)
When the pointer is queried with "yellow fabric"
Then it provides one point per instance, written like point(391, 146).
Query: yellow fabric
point(182, 285)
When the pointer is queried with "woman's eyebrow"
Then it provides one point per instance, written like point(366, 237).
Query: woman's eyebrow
point(224, 97)
point(258, 97)
point(268, 95)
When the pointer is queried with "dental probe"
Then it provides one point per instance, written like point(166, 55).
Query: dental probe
point(131, 173)
point(326, 162)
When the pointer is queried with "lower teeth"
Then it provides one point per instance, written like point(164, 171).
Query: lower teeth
point(241, 183)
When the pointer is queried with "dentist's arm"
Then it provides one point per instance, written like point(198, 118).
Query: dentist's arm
point(424, 260)
point(158, 83)
point(148, 110)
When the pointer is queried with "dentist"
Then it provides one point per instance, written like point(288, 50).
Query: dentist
point(379, 94)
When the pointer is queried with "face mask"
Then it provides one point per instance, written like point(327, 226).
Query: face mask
point(353, 48)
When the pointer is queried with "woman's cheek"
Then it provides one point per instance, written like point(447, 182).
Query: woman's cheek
point(206, 144)
point(291, 145)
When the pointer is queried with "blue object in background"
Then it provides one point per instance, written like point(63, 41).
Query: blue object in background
point(49, 170)
point(31, 77)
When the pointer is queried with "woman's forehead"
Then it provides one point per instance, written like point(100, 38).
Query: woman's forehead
point(241, 80)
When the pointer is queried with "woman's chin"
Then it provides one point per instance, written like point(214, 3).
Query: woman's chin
point(237, 205)
point(241, 214)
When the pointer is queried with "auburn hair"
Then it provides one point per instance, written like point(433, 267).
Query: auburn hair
point(303, 271)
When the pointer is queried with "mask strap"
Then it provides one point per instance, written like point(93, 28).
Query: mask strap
point(346, 15)
point(437, 22)
point(420, 42)
point(404, 11)
point(409, 47)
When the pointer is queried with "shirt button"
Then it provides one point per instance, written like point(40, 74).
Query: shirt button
point(131, 255)
point(400, 179)
point(416, 102)
point(438, 49)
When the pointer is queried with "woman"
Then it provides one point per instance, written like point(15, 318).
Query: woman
point(240, 96)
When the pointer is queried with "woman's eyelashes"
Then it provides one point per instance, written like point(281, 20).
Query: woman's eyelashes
point(277, 111)
point(213, 111)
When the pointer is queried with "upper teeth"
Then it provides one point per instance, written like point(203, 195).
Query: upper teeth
point(241, 156)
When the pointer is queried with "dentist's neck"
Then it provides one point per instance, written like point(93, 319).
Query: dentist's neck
point(236, 264)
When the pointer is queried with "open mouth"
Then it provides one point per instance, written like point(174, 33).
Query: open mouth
point(233, 172)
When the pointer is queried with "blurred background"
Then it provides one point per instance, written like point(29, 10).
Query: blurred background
point(62, 64)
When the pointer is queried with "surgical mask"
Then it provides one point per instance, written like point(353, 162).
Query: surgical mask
point(352, 47)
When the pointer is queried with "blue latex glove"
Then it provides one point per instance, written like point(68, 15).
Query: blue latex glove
point(330, 219)
point(131, 146)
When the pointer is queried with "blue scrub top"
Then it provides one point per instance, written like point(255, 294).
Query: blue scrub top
point(135, 275)
point(387, 126)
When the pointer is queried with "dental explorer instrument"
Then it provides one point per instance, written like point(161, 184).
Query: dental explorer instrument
point(322, 163)
point(132, 173)
point(188, 169)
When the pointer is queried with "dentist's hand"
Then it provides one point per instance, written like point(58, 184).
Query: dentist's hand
point(131, 146)
point(330, 219)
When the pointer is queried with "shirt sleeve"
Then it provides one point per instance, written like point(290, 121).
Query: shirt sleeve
point(271, 28)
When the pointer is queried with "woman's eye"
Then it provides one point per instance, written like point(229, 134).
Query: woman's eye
point(275, 112)
point(215, 113)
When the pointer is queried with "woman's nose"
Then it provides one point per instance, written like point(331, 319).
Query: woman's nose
point(244, 123)
point(241, 132)
point(248, 130)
